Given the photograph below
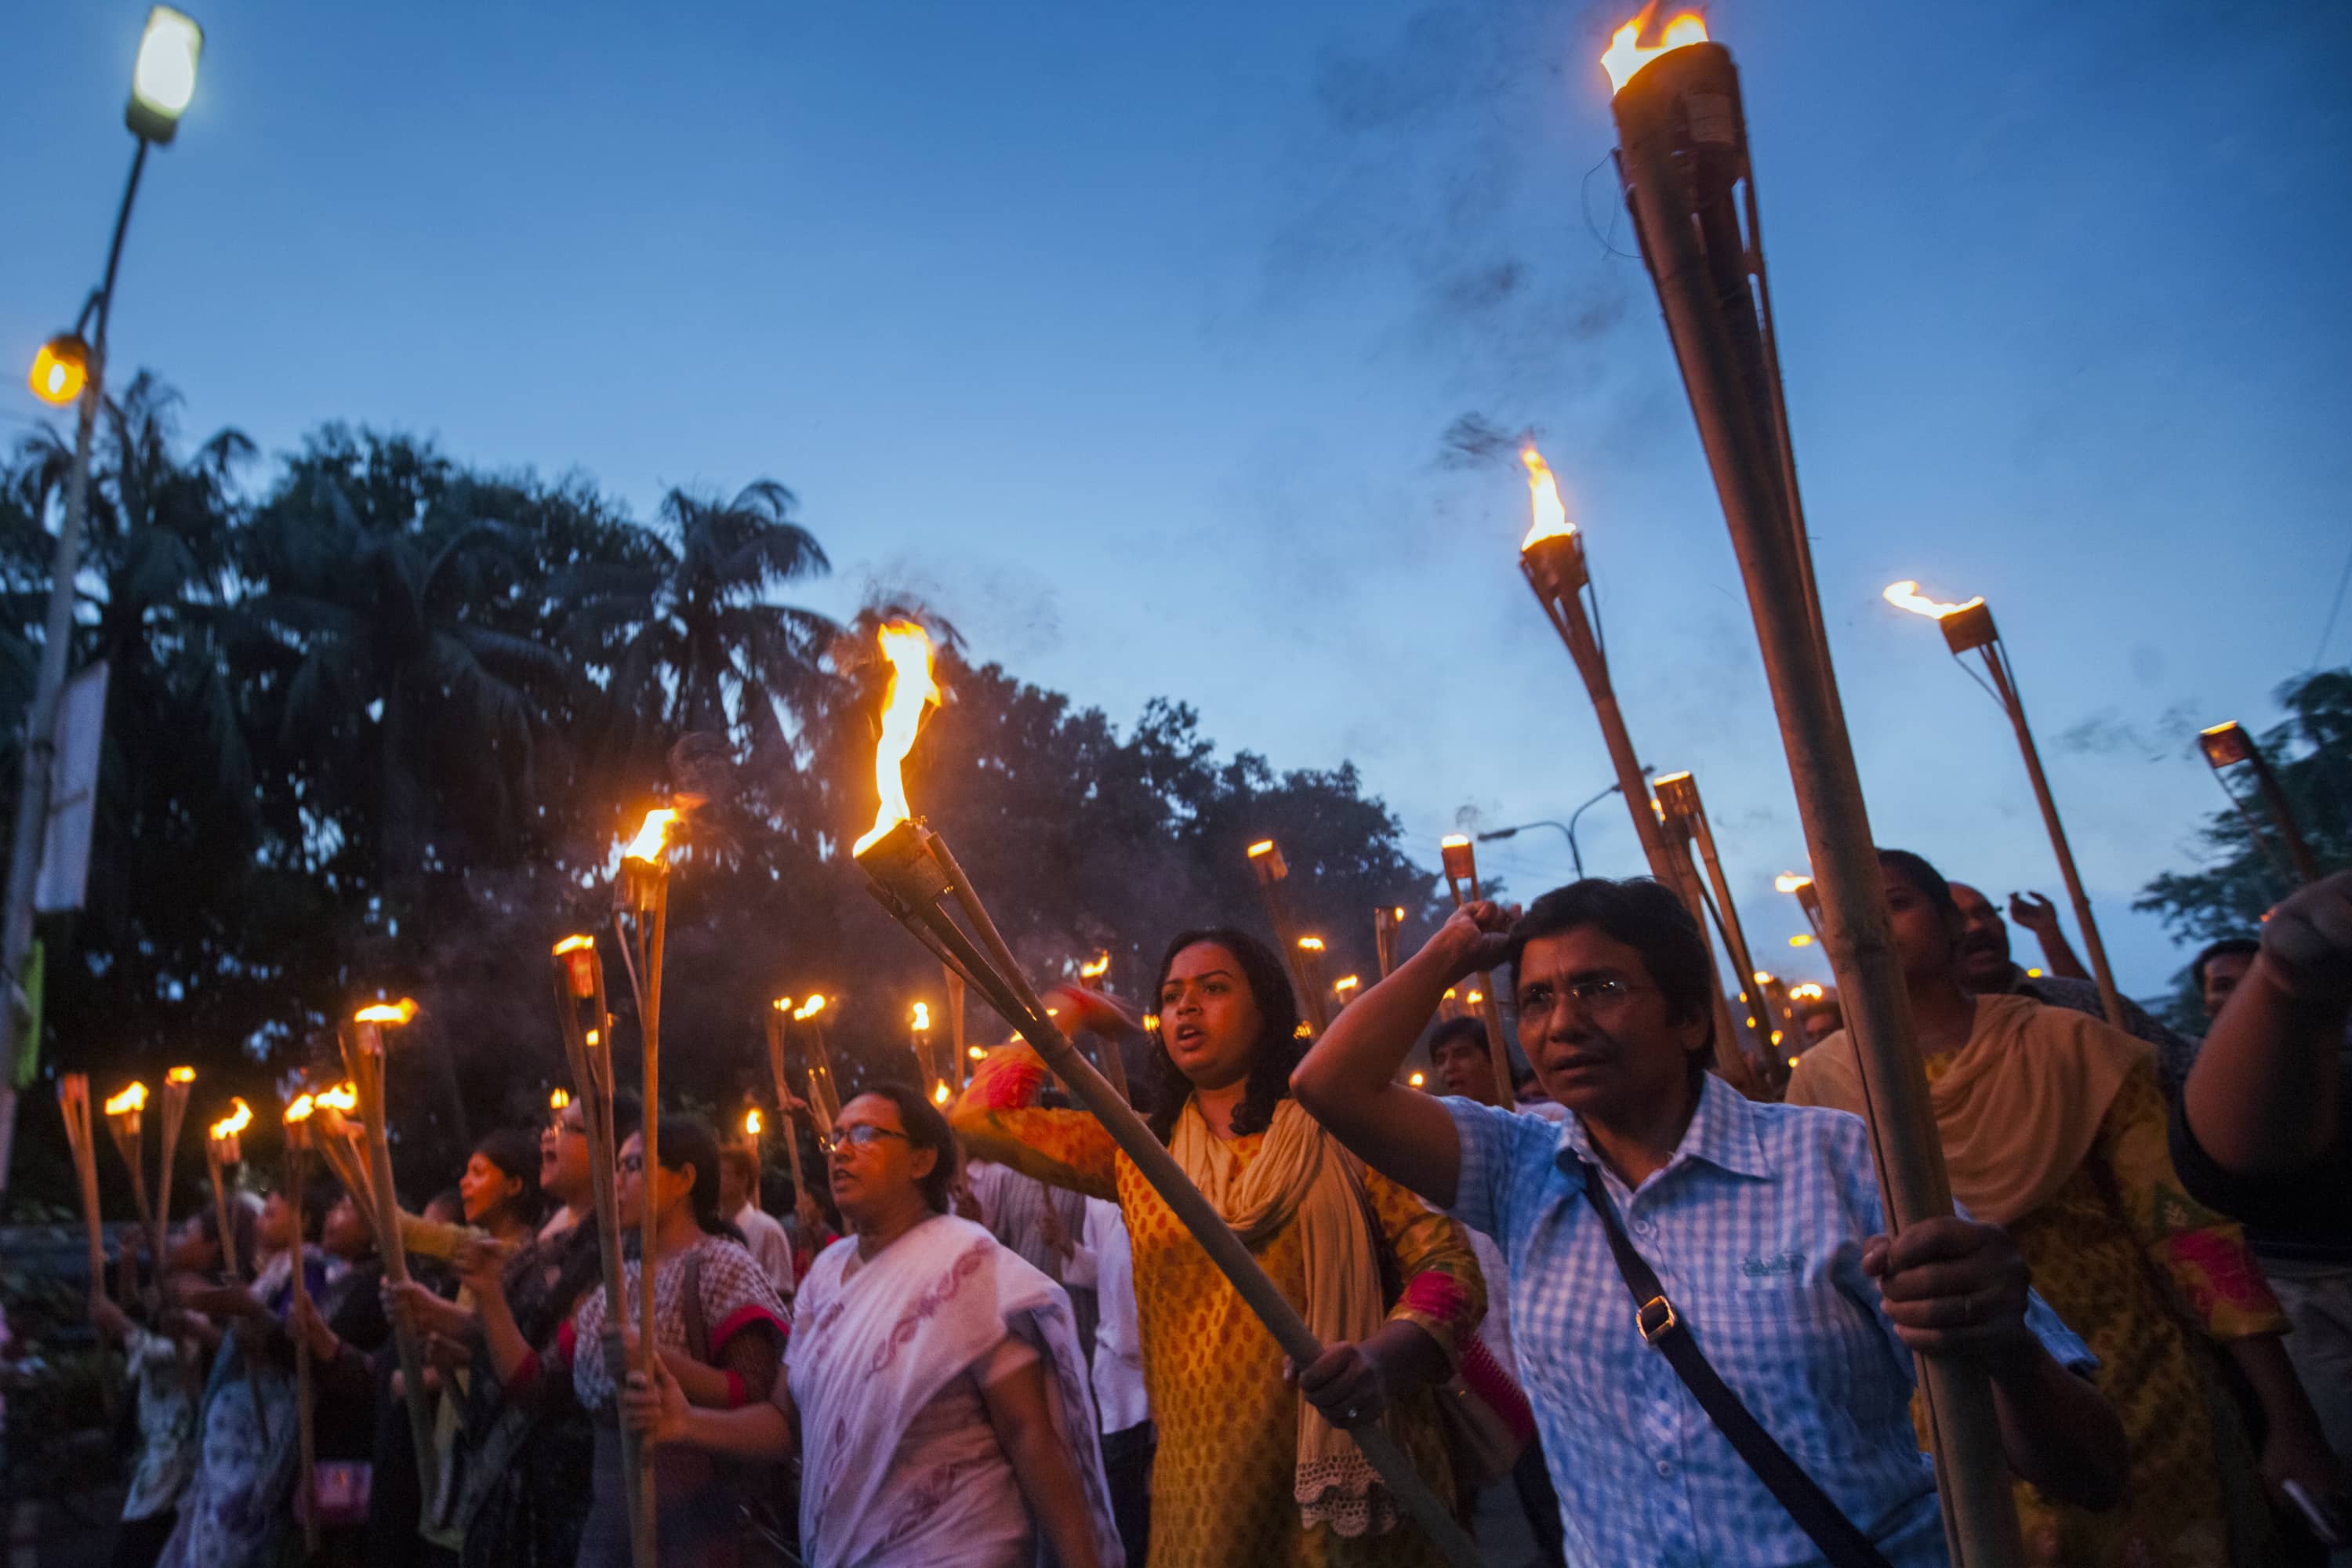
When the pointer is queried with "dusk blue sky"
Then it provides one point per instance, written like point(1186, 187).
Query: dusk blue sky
point(1127, 334)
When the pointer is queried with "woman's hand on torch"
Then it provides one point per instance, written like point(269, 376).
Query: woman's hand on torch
point(654, 1410)
point(480, 1265)
point(1475, 938)
point(1344, 1384)
point(307, 1323)
point(1090, 1012)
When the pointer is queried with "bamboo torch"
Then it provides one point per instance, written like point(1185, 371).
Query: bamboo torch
point(178, 1084)
point(1685, 881)
point(587, 1047)
point(1686, 816)
point(1271, 870)
point(1808, 897)
point(1968, 628)
point(1683, 152)
point(954, 984)
point(73, 1107)
point(911, 873)
point(298, 1145)
point(341, 1140)
point(1460, 861)
point(1091, 976)
point(1551, 557)
point(824, 1095)
point(641, 920)
point(1388, 922)
point(125, 1117)
point(774, 1020)
point(364, 1059)
point(225, 1147)
point(2226, 746)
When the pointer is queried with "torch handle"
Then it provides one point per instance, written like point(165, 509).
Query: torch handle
point(73, 1106)
point(220, 1208)
point(175, 1112)
point(1490, 1012)
point(306, 1438)
point(2306, 868)
point(1734, 939)
point(368, 1058)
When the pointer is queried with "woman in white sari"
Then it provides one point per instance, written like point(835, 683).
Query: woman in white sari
point(933, 1386)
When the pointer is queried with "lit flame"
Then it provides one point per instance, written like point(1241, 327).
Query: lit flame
point(1802, 939)
point(1475, 997)
point(976, 1053)
point(132, 1099)
point(1095, 970)
point(1626, 55)
point(300, 1111)
point(181, 1074)
point(751, 1122)
point(2036, 974)
point(1305, 1031)
point(908, 646)
point(1905, 595)
point(1263, 848)
point(782, 1004)
point(592, 1037)
point(1776, 1037)
point(398, 1012)
point(940, 1096)
point(810, 1008)
point(239, 1118)
point(558, 1099)
point(1416, 1080)
point(343, 1097)
point(1808, 991)
point(1347, 983)
point(922, 1014)
point(1311, 944)
point(575, 944)
point(1151, 1022)
point(1763, 978)
point(1399, 912)
point(1454, 841)
point(1550, 521)
point(653, 836)
point(1790, 881)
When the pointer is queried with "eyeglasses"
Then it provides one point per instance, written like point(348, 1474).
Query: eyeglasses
point(861, 1134)
point(1536, 1002)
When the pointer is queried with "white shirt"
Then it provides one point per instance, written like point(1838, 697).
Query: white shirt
point(1103, 1262)
point(770, 1246)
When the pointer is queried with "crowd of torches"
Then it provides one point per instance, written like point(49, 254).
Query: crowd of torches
point(1684, 159)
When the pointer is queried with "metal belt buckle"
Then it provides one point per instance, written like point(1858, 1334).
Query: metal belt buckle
point(1656, 1318)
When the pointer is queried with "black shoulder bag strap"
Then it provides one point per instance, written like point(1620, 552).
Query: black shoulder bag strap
point(1664, 1331)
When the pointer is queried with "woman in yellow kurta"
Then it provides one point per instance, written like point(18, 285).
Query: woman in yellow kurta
point(2054, 1128)
point(1248, 1472)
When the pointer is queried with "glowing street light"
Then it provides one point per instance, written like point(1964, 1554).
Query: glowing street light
point(60, 370)
point(164, 78)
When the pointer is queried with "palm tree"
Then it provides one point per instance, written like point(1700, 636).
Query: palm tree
point(688, 640)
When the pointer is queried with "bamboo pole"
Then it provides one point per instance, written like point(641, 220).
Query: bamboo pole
point(178, 1083)
point(2230, 743)
point(1107, 1054)
point(824, 1095)
point(774, 1022)
point(306, 1438)
point(911, 871)
point(216, 1163)
point(1388, 921)
point(73, 1108)
point(1678, 795)
point(587, 1048)
point(363, 1060)
point(125, 1119)
point(1459, 859)
point(641, 919)
point(1272, 872)
point(956, 1042)
point(1682, 148)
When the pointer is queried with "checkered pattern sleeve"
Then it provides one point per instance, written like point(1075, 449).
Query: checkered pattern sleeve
point(1490, 1151)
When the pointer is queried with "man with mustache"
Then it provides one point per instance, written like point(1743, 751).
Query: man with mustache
point(1761, 1227)
point(1987, 970)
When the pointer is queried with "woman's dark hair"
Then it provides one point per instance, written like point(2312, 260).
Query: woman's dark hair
point(1278, 1049)
point(1643, 914)
point(516, 1153)
point(925, 1128)
point(1928, 881)
point(688, 1140)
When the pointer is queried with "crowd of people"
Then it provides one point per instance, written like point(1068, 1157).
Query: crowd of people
point(1633, 1314)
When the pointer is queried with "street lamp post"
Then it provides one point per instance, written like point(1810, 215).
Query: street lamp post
point(1567, 829)
point(162, 81)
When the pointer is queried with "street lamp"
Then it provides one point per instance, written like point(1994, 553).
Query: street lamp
point(1567, 828)
point(72, 366)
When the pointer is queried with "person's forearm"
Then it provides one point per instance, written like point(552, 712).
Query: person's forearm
point(2263, 1096)
point(2277, 1389)
point(756, 1431)
point(1408, 1356)
point(2059, 954)
point(509, 1350)
point(1050, 1483)
point(1347, 1081)
point(707, 1386)
point(2058, 1432)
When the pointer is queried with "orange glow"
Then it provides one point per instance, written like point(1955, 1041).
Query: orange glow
point(941, 1095)
point(751, 1122)
point(1626, 55)
point(1416, 1080)
point(1808, 991)
point(1347, 983)
point(1305, 1031)
point(1311, 944)
point(1550, 519)
point(239, 1118)
point(976, 1053)
point(575, 944)
point(1095, 970)
point(559, 1098)
point(782, 1004)
point(592, 1037)
point(810, 1008)
point(1763, 978)
point(1905, 595)
point(1802, 939)
point(300, 1111)
point(398, 1012)
point(343, 1097)
point(651, 838)
point(2034, 974)
point(1454, 841)
point(1790, 881)
point(1151, 1022)
point(922, 1018)
point(1263, 847)
point(181, 1074)
point(1475, 997)
point(60, 370)
point(908, 646)
point(132, 1100)
point(1399, 912)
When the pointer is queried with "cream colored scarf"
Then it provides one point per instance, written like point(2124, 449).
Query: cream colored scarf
point(1301, 1173)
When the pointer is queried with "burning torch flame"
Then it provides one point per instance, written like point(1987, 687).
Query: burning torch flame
point(239, 1118)
point(1311, 944)
point(1802, 939)
point(1454, 841)
point(559, 1098)
point(908, 649)
point(343, 1097)
point(652, 837)
point(181, 1074)
point(1550, 521)
point(1905, 595)
point(1417, 1079)
point(1763, 978)
point(751, 1122)
point(1095, 970)
point(575, 944)
point(1262, 848)
point(1790, 881)
point(1626, 55)
point(301, 1110)
point(132, 1099)
point(975, 1053)
point(398, 1012)
point(810, 1008)
point(1347, 983)
point(1808, 991)
point(922, 1014)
